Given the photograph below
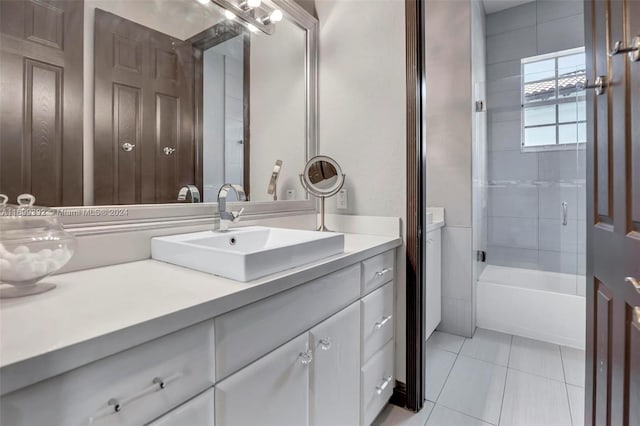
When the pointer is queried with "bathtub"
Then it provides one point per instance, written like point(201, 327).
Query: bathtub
point(541, 305)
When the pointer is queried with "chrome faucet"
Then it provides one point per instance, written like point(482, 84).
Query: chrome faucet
point(189, 189)
point(226, 218)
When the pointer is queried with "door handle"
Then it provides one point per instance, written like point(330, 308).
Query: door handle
point(565, 207)
point(599, 86)
point(128, 147)
point(634, 282)
point(633, 50)
point(168, 150)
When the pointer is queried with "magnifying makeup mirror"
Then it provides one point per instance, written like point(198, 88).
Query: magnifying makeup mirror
point(273, 183)
point(322, 178)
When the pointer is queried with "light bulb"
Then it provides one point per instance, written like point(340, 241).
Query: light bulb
point(254, 3)
point(229, 15)
point(252, 28)
point(276, 16)
point(203, 1)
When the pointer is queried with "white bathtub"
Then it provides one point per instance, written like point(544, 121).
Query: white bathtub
point(542, 305)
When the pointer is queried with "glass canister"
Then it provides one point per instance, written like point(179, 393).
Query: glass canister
point(33, 245)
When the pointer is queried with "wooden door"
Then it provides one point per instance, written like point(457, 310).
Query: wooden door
point(41, 100)
point(335, 370)
point(144, 147)
point(272, 391)
point(613, 208)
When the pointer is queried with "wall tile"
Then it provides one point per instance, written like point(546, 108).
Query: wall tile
point(511, 19)
point(495, 116)
point(456, 317)
point(551, 198)
point(512, 45)
point(456, 263)
point(513, 257)
point(507, 83)
point(502, 70)
point(554, 236)
point(556, 166)
point(513, 201)
point(512, 166)
point(556, 261)
point(504, 135)
point(549, 10)
point(504, 100)
point(513, 232)
point(560, 34)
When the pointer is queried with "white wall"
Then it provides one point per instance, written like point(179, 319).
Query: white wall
point(363, 115)
point(278, 115)
point(449, 122)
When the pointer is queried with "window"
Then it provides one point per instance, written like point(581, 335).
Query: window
point(553, 100)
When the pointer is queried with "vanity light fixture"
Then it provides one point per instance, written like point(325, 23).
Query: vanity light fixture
point(273, 17)
point(205, 2)
point(250, 4)
point(245, 11)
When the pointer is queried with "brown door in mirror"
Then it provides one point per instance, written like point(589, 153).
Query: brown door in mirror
point(144, 146)
point(613, 208)
point(41, 100)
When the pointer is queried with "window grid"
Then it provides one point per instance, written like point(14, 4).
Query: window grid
point(556, 101)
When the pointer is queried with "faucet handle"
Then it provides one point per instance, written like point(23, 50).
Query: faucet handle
point(236, 215)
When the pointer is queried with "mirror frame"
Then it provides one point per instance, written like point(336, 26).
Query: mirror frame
point(91, 220)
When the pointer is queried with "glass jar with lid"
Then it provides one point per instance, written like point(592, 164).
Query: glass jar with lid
point(33, 245)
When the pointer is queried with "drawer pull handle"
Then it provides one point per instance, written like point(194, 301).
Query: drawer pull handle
point(384, 271)
point(158, 381)
point(116, 405)
point(325, 344)
point(384, 320)
point(306, 357)
point(382, 386)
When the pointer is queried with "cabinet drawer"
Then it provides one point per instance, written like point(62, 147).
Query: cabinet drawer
point(377, 320)
point(377, 271)
point(89, 395)
point(377, 381)
point(195, 412)
point(244, 335)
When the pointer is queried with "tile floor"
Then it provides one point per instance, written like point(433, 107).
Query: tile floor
point(497, 379)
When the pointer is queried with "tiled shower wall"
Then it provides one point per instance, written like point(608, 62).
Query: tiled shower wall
point(526, 189)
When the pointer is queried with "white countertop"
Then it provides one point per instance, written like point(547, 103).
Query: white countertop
point(98, 312)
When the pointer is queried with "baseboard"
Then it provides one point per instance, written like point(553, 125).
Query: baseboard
point(399, 396)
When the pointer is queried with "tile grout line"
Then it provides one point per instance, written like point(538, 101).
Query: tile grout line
point(506, 376)
point(566, 389)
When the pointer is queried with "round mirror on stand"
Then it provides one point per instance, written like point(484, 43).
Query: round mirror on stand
point(322, 178)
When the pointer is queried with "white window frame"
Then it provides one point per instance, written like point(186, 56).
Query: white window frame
point(557, 101)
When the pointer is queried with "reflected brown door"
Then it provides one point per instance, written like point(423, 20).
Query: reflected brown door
point(41, 100)
point(144, 122)
point(613, 234)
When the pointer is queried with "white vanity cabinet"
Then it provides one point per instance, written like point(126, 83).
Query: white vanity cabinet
point(319, 353)
point(195, 412)
point(433, 281)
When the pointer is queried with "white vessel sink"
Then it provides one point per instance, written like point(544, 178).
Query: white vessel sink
point(245, 254)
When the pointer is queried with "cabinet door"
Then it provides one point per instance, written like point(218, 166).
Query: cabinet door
point(433, 282)
point(195, 412)
point(335, 370)
point(272, 391)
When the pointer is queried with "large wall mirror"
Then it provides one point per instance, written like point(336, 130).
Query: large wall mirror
point(111, 102)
